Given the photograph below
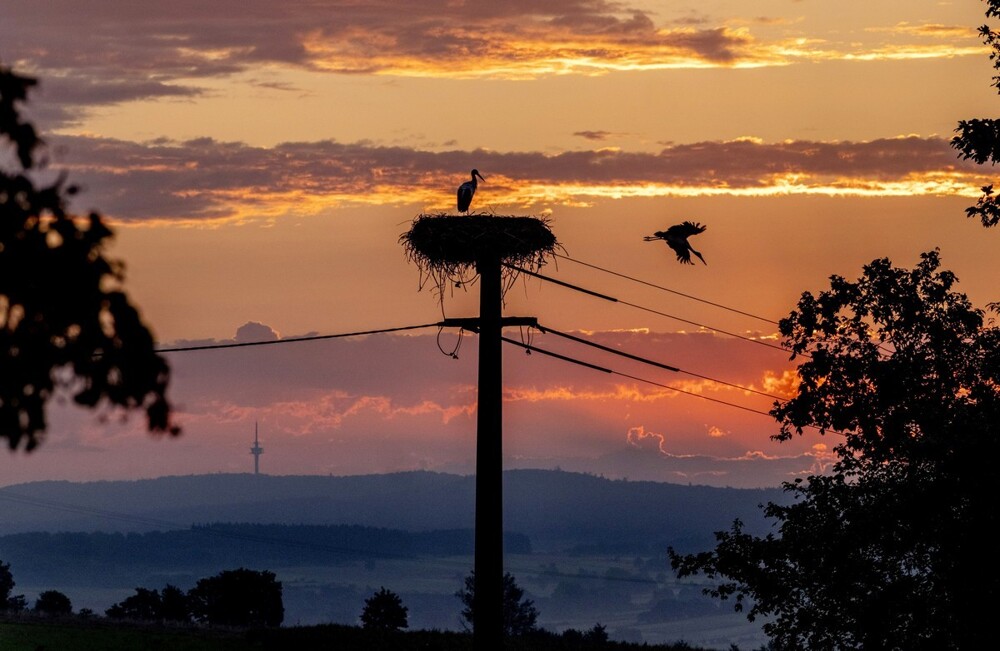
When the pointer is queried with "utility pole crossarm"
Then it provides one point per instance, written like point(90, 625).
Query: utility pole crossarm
point(472, 323)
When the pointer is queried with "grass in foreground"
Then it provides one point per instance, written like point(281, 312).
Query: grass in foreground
point(40, 634)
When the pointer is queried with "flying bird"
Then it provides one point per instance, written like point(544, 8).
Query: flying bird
point(466, 190)
point(676, 238)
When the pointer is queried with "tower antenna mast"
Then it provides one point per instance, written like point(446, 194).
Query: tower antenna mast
point(256, 451)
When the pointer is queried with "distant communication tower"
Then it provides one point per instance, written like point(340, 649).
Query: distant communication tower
point(256, 451)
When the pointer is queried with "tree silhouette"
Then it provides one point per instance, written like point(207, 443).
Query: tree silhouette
point(144, 605)
point(384, 611)
point(889, 549)
point(174, 604)
point(979, 139)
point(519, 613)
point(8, 601)
point(53, 602)
point(238, 598)
point(66, 325)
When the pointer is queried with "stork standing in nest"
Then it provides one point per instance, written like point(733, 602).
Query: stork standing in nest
point(676, 238)
point(466, 191)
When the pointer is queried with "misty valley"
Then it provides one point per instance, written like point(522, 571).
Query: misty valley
point(586, 549)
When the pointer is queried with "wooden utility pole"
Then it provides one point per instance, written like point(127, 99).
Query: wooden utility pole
point(487, 608)
point(487, 625)
point(443, 244)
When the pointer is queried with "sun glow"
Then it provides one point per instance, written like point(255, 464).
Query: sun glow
point(535, 52)
point(249, 203)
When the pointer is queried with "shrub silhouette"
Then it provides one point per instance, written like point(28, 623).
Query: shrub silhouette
point(384, 611)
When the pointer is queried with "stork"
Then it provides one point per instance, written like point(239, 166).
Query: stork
point(676, 238)
point(466, 190)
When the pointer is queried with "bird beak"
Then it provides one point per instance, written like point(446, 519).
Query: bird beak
point(480, 177)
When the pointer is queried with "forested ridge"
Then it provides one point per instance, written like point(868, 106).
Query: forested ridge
point(555, 509)
point(45, 556)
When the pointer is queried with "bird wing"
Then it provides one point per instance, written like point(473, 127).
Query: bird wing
point(682, 250)
point(685, 229)
point(465, 192)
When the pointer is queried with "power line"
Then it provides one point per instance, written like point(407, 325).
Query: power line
point(563, 284)
point(650, 362)
point(667, 289)
point(649, 309)
point(592, 344)
point(708, 327)
point(613, 351)
point(549, 353)
point(881, 347)
point(532, 348)
point(692, 393)
point(289, 340)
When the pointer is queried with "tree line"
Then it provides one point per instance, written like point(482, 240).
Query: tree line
point(240, 598)
point(245, 598)
point(222, 544)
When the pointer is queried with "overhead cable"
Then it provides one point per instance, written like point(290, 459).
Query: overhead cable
point(613, 351)
point(289, 340)
point(692, 393)
point(443, 324)
point(649, 309)
point(881, 347)
point(644, 360)
point(534, 349)
point(667, 289)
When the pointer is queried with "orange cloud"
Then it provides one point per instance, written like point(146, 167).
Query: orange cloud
point(326, 412)
point(933, 30)
point(523, 48)
point(717, 432)
point(636, 393)
point(785, 385)
point(566, 393)
point(639, 437)
point(154, 51)
point(822, 460)
point(203, 180)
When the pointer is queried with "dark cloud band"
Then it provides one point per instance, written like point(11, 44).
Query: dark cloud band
point(207, 179)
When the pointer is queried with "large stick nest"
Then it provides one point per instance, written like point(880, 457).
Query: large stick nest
point(446, 248)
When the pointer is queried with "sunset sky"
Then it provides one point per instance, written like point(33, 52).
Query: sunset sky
point(259, 162)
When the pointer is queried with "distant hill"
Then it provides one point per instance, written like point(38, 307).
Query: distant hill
point(100, 558)
point(557, 510)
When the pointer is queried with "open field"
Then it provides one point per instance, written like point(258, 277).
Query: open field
point(78, 635)
point(32, 634)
